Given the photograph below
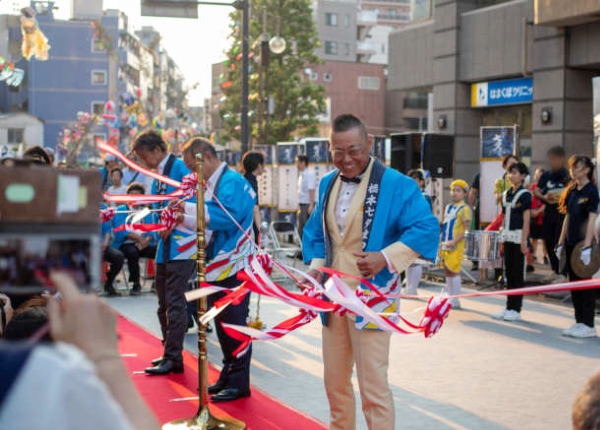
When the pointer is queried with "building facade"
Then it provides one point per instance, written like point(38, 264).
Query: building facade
point(358, 30)
point(503, 63)
point(95, 57)
point(351, 87)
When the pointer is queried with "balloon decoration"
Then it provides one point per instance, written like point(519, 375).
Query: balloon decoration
point(35, 44)
point(9, 73)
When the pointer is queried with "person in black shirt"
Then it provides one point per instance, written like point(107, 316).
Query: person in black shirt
point(580, 204)
point(516, 207)
point(473, 201)
point(550, 186)
point(253, 165)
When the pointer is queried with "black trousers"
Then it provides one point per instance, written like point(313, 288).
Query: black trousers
point(115, 259)
point(133, 255)
point(584, 301)
point(172, 281)
point(551, 228)
point(514, 267)
point(236, 371)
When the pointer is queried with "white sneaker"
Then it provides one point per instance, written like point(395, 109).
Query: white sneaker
point(512, 316)
point(583, 332)
point(560, 279)
point(455, 303)
point(571, 329)
point(549, 279)
point(500, 315)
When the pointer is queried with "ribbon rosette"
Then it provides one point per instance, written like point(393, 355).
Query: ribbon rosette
point(170, 217)
point(436, 312)
point(189, 184)
point(266, 262)
point(107, 215)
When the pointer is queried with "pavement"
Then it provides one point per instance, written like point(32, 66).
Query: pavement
point(476, 373)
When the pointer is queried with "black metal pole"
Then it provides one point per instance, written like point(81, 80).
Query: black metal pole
point(245, 65)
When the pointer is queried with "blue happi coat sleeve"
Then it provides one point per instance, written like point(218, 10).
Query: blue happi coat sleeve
point(313, 236)
point(412, 220)
point(238, 198)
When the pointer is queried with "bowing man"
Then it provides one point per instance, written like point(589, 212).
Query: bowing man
point(176, 250)
point(228, 249)
point(372, 222)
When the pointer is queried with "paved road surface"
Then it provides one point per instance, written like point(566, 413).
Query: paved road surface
point(477, 373)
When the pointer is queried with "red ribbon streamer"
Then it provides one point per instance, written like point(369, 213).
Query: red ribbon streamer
point(107, 148)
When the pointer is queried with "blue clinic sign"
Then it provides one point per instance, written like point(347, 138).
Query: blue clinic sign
point(498, 93)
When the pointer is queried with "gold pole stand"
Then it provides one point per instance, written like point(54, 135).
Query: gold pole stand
point(204, 419)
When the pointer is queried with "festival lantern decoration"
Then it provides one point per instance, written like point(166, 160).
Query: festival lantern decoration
point(35, 44)
point(9, 73)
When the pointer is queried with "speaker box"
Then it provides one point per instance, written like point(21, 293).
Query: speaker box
point(406, 151)
point(438, 154)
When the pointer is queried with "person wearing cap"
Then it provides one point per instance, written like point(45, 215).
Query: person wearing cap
point(457, 221)
point(371, 222)
point(579, 204)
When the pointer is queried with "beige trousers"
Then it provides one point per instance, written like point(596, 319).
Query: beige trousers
point(343, 346)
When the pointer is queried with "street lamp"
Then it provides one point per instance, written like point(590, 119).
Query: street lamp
point(275, 45)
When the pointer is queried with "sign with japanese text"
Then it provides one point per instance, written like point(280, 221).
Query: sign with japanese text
point(499, 93)
point(287, 187)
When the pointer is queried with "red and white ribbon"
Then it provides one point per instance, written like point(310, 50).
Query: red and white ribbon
point(114, 151)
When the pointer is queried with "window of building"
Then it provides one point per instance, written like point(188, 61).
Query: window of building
point(331, 19)
point(415, 100)
point(314, 76)
point(15, 135)
point(327, 77)
point(331, 48)
point(368, 83)
point(98, 46)
point(347, 20)
point(98, 77)
point(346, 49)
point(97, 108)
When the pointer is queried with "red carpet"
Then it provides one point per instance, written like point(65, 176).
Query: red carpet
point(259, 412)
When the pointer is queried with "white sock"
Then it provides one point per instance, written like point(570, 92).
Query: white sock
point(454, 285)
point(413, 277)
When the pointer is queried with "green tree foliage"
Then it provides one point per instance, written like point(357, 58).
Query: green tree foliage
point(297, 99)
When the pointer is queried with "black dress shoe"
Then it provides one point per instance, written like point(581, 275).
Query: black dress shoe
point(230, 394)
point(165, 367)
point(157, 361)
point(136, 290)
point(216, 388)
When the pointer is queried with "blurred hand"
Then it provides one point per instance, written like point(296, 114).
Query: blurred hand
point(524, 248)
point(8, 310)
point(314, 273)
point(586, 256)
point(558, 250)
point(370, 263)
point(83, 320)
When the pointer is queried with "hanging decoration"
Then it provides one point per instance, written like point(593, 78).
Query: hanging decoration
point(35, 44)
point(9, 73)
